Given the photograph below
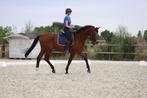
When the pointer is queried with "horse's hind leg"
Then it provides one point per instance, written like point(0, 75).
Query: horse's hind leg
point(39, 58)
point(47, 55)
point(69, 62)
point(84, 55)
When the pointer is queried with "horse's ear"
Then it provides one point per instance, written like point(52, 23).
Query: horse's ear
point(97, 28)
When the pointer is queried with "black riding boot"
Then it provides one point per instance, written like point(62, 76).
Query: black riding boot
point(67, 47)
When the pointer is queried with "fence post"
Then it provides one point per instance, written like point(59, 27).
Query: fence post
point(3, 50)
point(109, 50)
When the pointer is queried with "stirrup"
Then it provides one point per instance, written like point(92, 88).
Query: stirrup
point(66, 50)
point(62, 32)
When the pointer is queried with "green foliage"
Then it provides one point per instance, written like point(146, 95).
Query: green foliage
point(139, 34)
point(57, 25)
point(28, 27)
point(124, 44)
point(141, 49)
point(42, 29)
point(55, 28)
point(91, 52)
point(3, 32)
point(145, 35)
point(141, 53)
point(107, 35)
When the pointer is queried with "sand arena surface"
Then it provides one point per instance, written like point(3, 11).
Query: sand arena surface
point(107, 80)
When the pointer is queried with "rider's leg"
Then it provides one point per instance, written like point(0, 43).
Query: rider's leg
point(69, 38)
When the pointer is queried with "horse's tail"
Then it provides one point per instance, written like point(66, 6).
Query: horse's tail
point(32, 46)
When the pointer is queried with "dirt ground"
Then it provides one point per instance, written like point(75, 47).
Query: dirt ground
point(107, 80)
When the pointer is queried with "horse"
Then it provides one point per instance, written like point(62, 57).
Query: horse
point(48, 43)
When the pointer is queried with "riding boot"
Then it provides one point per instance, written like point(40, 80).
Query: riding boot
point(67, 47)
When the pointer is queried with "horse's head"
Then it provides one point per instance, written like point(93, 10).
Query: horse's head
point(88, 31)
point(92, 33)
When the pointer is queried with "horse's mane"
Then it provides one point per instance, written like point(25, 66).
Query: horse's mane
point(83, 28)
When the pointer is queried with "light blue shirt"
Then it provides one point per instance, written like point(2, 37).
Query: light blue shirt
point(67, 18)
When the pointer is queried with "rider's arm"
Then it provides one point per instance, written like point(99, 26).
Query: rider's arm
point(68, 26)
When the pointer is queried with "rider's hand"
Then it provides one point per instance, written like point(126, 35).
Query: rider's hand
point(72, 26)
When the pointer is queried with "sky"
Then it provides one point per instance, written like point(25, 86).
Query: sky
point(108, 14)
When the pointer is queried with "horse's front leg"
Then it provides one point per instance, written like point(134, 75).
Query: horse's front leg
point(69, 62)
point(84, 56)
point(52, 67)
point(47, 55)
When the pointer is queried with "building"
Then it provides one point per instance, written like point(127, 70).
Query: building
point(19, 43)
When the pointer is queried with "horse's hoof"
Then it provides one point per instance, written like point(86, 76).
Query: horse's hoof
point(53, 71)
point(66, 73)
point(37, 69)
point(88, 71)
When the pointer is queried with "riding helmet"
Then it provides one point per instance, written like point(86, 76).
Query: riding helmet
point(68, 10)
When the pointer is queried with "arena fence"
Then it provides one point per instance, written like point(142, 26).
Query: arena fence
point(4, 50)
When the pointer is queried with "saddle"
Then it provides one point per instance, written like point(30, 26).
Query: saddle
point(61, 39)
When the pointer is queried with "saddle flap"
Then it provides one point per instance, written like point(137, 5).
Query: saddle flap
point(61, 39)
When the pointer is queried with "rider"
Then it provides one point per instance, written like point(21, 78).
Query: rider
point(67, 27)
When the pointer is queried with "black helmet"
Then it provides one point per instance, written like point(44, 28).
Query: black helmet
point(68, 10)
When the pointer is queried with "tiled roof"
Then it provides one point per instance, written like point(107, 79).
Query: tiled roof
point(22, 35)
point(30, 35)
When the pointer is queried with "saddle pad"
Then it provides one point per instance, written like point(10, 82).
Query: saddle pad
point(61, 40)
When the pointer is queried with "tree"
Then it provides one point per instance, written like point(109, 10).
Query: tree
point(125, 43)
point(28, 27)
point(145, 35)
point(107, 35)
point(55, 28)
point(3, 32)
point(58, 25)
point(139, 33)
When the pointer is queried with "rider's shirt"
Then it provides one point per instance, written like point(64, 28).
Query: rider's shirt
point(67, 18)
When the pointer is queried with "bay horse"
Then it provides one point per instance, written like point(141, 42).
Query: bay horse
point(48, 42)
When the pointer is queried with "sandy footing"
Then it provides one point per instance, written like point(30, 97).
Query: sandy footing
point(107, 80)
